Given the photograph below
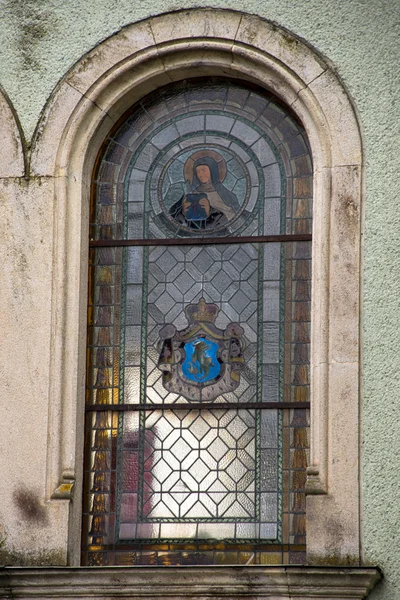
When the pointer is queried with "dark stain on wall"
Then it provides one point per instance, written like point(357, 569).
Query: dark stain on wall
point(35, 22)
point(29, 506)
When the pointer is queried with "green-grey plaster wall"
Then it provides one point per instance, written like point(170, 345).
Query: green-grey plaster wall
point(41, 39)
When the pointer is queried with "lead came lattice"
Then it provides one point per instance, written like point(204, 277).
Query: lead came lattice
point(233, 475)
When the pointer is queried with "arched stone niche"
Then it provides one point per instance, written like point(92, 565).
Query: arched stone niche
point(85, 106)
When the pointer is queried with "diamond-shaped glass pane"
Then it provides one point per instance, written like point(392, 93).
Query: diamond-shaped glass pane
point(203, 261)
point(166, 261)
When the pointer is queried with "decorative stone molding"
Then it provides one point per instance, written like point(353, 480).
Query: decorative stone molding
point(66, 488)
point(188, 583)
point(89, 101)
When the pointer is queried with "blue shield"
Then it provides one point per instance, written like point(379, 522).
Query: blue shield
point(201, 363)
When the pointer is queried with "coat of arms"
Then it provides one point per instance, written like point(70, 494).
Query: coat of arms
point(202, 361)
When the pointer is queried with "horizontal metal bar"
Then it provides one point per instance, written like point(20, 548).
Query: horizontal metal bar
point(248, 239)
point(138, 545)
point(197, 406)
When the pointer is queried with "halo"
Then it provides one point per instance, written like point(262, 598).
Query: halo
point(189, 164)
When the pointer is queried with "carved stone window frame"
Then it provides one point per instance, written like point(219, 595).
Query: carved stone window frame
point(85, 106)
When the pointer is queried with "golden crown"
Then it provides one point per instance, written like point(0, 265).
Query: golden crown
point(201, 312)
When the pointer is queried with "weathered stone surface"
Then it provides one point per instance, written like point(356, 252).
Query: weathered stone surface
point(336, 102)
point(130, 40)
point(345, 265)
point(54, 127)
point(282, 45)
point(33, 531)
point(206, 23)
point(257, 583)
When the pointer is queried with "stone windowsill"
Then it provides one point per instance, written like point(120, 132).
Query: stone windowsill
point(258, 582)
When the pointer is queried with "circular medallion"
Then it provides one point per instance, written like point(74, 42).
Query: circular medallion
point(205, 187)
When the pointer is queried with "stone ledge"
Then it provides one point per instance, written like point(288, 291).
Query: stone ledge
point(202, 582)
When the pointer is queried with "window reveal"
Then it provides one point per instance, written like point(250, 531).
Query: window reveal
point(191, 339)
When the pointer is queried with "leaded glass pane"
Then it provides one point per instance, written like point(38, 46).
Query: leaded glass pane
point(211, 164)
point(191, 344)
point(196, 468)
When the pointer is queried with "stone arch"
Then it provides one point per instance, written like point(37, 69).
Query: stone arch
point(12, 153)
point(89, 101)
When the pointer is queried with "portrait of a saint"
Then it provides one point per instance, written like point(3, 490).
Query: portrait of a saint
point(207, 203)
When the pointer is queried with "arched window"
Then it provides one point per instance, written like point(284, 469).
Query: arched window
point(197, 430)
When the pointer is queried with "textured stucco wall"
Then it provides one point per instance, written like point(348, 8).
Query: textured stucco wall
point(41, 39)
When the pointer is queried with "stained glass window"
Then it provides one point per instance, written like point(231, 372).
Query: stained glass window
point(197, 429)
